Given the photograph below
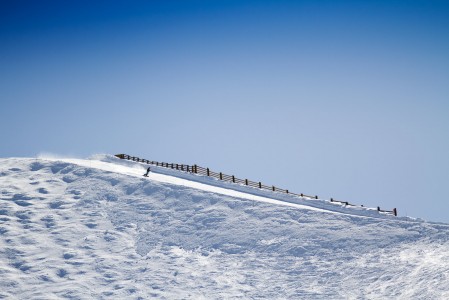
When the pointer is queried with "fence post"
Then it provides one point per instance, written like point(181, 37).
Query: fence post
point(395, 212)
point(246, 181)
point(195, 169)
point(233, 178)
point(378, 208)
point(188, 168)
point(286, 191)
point(260, 185)
point(208, 172)
point(332, 199)
point(302, 195)
point(316, 197)
point(221, 176)
point(274, 188)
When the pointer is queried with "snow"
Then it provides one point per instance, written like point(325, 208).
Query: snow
point(96, 228)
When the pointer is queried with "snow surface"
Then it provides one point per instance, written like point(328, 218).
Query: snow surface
point(98, 229)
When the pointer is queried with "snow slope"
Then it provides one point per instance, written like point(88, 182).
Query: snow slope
point(97, 229)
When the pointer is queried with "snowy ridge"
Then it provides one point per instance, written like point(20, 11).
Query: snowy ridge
point(83, 229)
point(255, 187)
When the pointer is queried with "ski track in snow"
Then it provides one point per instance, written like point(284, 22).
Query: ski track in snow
point(97, 229)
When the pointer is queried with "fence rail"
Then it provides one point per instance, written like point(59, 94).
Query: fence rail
point(231, 178)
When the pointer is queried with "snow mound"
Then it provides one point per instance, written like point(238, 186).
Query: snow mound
point(96, 228)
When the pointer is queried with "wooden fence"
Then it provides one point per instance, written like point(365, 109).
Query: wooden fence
point(231, 178)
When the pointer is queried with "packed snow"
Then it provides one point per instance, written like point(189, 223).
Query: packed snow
point(97, 229)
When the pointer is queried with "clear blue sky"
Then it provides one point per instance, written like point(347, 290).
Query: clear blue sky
point(344, 99)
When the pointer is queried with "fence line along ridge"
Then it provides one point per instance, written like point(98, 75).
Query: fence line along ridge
point(195, 169)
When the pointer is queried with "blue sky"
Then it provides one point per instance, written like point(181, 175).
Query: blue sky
point(344, 99)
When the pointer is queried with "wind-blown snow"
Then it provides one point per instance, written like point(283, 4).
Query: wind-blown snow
point(89, 229)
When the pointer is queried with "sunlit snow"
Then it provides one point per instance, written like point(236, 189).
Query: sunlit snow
point(96, 228)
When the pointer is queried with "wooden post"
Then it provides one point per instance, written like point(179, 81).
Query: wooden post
point(302, 195)
point(195, 169)
point(395, 212)
point(316, 197)
point(286, 191)
point(221, 176)
point(332, 200)
point(378, 208)
point(208, 172)
point(233, 178)
point(188, 168)
point(274, 188)
point(246, 181)
point(260, 185)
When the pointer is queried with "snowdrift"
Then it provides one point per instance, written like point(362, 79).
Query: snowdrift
point(83, 229)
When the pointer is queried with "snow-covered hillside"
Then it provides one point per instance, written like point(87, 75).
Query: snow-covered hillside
point(96, 228)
